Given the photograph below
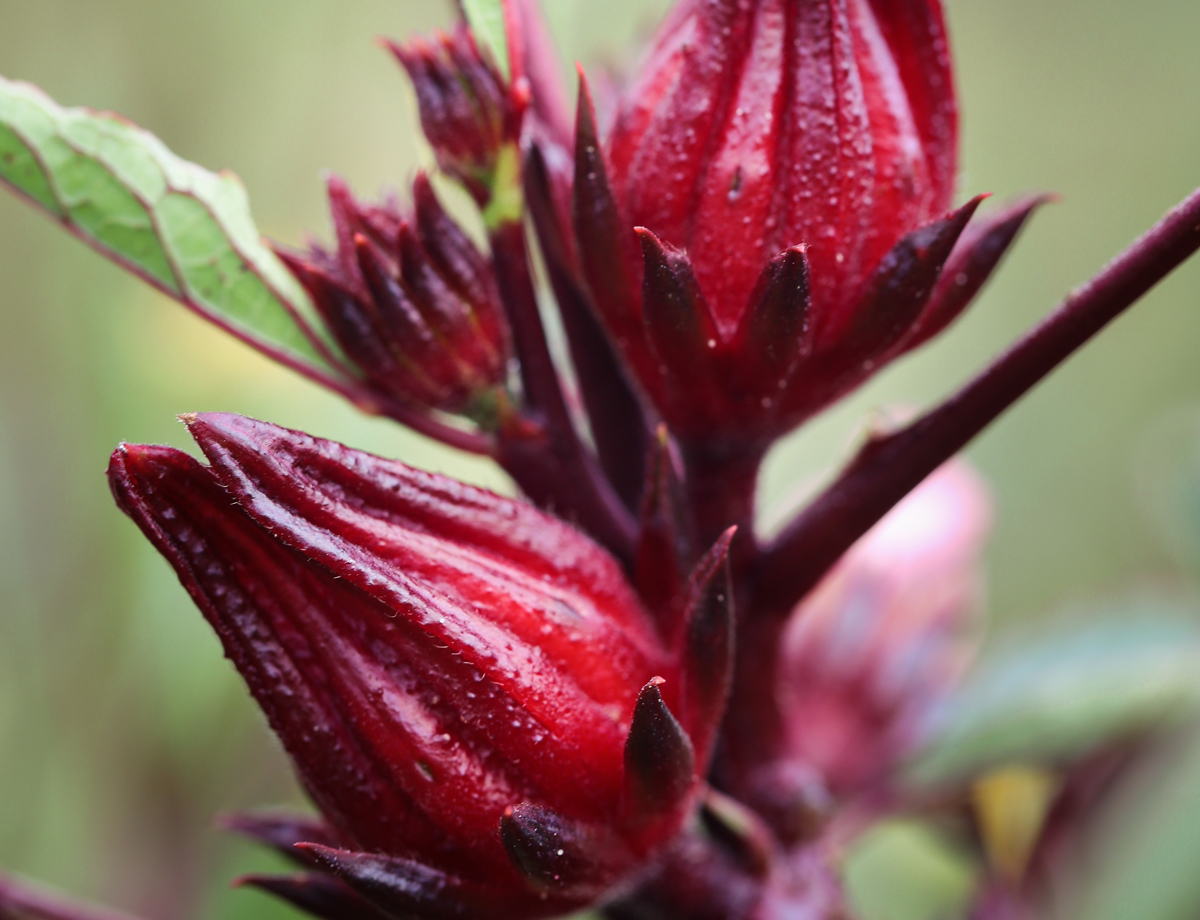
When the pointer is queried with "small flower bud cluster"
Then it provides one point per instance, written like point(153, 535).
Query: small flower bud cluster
point(412, 302)
point(470, 115)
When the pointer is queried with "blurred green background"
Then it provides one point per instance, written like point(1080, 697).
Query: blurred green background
point(122, 730)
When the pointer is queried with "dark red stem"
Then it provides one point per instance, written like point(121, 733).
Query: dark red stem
point(539, 377)
point(420, 421)
point(890, 466)
point(21, 899)
point(720, 484)
point(552, 466)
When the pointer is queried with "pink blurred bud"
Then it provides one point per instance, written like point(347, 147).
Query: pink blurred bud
point(887, 632)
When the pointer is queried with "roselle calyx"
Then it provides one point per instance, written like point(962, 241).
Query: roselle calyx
point(412, 302)
point(460, 679)
point(769, 219)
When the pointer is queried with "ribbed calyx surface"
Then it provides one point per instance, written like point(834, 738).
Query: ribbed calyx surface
point(459, 677)
point(769, 219)
point(757, 125)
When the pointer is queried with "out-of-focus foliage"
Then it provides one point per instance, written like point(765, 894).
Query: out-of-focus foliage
point(121, 729)
point(486, 18)
point(1051, 699)
point(1143, 862)
point(901, 870)
point(1168, 481)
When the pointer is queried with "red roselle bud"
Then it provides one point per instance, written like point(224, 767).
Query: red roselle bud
point(790, 165)
point(473, 695)
point(412, 302)
point(470, 115)
point(887, 633)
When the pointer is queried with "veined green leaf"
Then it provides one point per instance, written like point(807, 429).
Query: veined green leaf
point(184, 229)
point(486, 19)
point(1059, 697)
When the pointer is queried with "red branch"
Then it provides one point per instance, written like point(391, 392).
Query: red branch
point(22, 899)
point(890, 466)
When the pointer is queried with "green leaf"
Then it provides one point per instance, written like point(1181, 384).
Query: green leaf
point(1142, 853)
point(1169, 483)
point(1056, 698)
point(903, 870)
point(183, 229)
point(486, 19)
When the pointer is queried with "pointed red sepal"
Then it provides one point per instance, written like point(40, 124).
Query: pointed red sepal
point(708, 645)
point(279, 832)
point(615, 414)
point(897, 290)
point(681, 329)
point(251, 588)
point(404, 888)
point(443, 308)
point(548, 194)
point(560, 856)
point(532, 57)
point(979, 250)
point(660, 763)
point(849, 348)
point(606, 245)
point(318, 894)
point(343, 210)
point(480, 361)
point(429, 369)
point(773, 334)
point(656, 566)
point(392, 305)
point(458, 261)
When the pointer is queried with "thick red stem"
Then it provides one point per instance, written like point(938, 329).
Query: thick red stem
point(720, 484)
point(889, 467)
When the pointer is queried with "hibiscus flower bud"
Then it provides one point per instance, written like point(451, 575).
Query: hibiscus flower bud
point(477, 701)
point(887, 634)
point(412, 302)
point(470, 114)
point(789, 170)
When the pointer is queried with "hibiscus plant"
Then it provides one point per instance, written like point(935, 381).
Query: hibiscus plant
point(610, 693)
